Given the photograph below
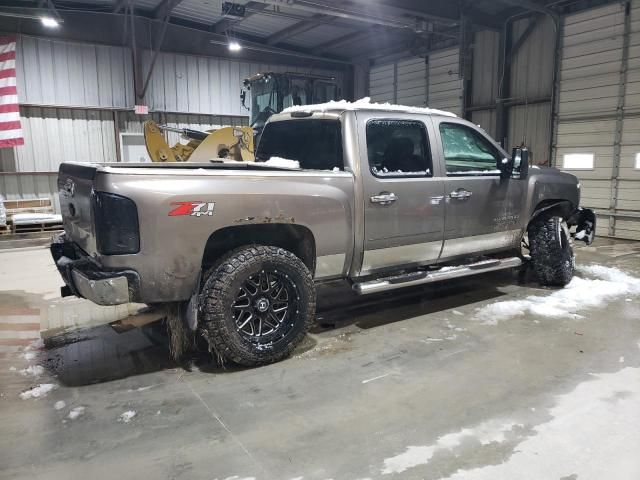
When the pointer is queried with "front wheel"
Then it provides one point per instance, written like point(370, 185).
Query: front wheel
point(257, 305)
point(551, 251)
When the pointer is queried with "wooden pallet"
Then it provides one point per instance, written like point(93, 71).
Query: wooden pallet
point(36, 228)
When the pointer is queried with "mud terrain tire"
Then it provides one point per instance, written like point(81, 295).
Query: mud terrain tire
point(551, 251)
point(257, 305)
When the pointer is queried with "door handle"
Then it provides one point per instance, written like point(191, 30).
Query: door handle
point(460, 194)
point(384, 198)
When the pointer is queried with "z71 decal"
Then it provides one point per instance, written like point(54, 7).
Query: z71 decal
point(194, 209)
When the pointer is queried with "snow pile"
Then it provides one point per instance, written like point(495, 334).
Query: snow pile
point(282, 163)
point(587, 429)
point(29, 355)
point(40, 391)
point(492, 431)
point(35, 345)
point(127, 416)
point(365, 103)
point(581, 293)
point(32, 370)
point(59, 405)
point(76, 412)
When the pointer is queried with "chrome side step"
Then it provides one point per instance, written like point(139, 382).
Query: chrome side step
point(418, 278)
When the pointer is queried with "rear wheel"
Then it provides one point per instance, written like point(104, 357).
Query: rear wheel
point(551, 251)
point(257, 305)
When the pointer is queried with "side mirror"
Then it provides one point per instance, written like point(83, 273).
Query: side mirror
point(520, 161)
point(505, 166)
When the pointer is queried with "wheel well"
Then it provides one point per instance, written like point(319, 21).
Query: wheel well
point(295, 238)
point(563, 208)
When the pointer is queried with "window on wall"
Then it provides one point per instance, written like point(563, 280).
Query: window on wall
point(578, 161)
point(467, 152)
point(637, 161)
point(398, 148)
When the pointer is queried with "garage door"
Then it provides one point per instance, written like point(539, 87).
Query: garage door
point(598, 113)
point(403, 82)
point(445, 85)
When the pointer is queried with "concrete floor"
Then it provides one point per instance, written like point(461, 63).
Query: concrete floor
point(418, 384)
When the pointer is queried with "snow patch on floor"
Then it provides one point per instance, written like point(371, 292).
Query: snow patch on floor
point(29, 355)
point(76, 412)
point(59, 405)
point(127, 416)
point(604, 284)
point(32, 370)
point(486, 433)
point(593, 435)
point(40, 391)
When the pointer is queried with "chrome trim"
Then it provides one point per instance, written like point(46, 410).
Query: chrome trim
point(415, 254)
point(382, 284)
point(481, 243)
point(108, 291)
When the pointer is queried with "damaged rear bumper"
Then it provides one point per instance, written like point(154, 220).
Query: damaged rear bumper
point(85, 278)
point(584, 220)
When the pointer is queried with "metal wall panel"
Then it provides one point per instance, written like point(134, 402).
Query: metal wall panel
point(56, 135)
point(445, 85)
point(55, 72)
point(382, 83)
point(411, 82)
point(486, 119)
point(594, 117)
point(532, 65)
point(531, 125)
point(206, 85)
point(486, 51)
point(29, 186)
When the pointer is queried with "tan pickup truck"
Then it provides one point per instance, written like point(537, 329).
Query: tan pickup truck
point(381, 197)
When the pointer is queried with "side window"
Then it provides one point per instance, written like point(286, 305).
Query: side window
point(398, 148)
point(467, 152)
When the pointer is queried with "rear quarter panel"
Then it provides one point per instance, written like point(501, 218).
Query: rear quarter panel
point(172, 247)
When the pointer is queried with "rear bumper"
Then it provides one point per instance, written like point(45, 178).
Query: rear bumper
point(85, 278)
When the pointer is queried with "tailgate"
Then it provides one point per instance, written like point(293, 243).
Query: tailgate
point(75, 187)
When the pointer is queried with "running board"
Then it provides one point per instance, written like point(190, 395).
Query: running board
point(419, 278)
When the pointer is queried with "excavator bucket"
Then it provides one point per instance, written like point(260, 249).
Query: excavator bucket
point(234, 143)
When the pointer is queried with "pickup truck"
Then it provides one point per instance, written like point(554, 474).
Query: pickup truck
point(381, 196)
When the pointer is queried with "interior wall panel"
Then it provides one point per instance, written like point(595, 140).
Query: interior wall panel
point(445, 85)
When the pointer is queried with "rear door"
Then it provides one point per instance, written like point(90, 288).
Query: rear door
point(482, 210)
point(403, 197)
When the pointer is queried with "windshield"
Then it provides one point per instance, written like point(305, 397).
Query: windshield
point(264, 101)
point(316, 144)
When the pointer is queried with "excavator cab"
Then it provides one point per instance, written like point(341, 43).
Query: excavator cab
point(273, 92)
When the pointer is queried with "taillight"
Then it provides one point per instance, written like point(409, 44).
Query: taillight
point(116, 224)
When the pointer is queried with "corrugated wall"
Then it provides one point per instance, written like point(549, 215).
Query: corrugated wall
point(484, 75)
point(198, 84)
point(94, 84)
point(56, 72)
point(403, 82)
point(598, 112)
point(445, 85)
point(532, 81)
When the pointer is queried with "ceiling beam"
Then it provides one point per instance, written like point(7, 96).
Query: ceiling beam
point(227, 23)
point(296, 29)
point(344, 39)
point(165, 8)
point(530, 5)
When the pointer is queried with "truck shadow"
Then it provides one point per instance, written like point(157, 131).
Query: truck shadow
point(100, 354)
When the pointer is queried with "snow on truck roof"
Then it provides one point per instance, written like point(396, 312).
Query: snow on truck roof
point(365, 104)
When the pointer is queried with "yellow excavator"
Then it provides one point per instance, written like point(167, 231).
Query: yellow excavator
point(270, 93)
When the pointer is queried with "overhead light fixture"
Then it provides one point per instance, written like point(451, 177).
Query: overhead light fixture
point(234, 46)
point(49, 22)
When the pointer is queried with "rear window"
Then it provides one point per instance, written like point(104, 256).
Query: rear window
point(316, 144)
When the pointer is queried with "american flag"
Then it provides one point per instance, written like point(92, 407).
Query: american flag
point(10, 129)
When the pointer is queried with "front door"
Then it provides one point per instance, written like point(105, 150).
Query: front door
point(482, 210)
point(403, 198)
